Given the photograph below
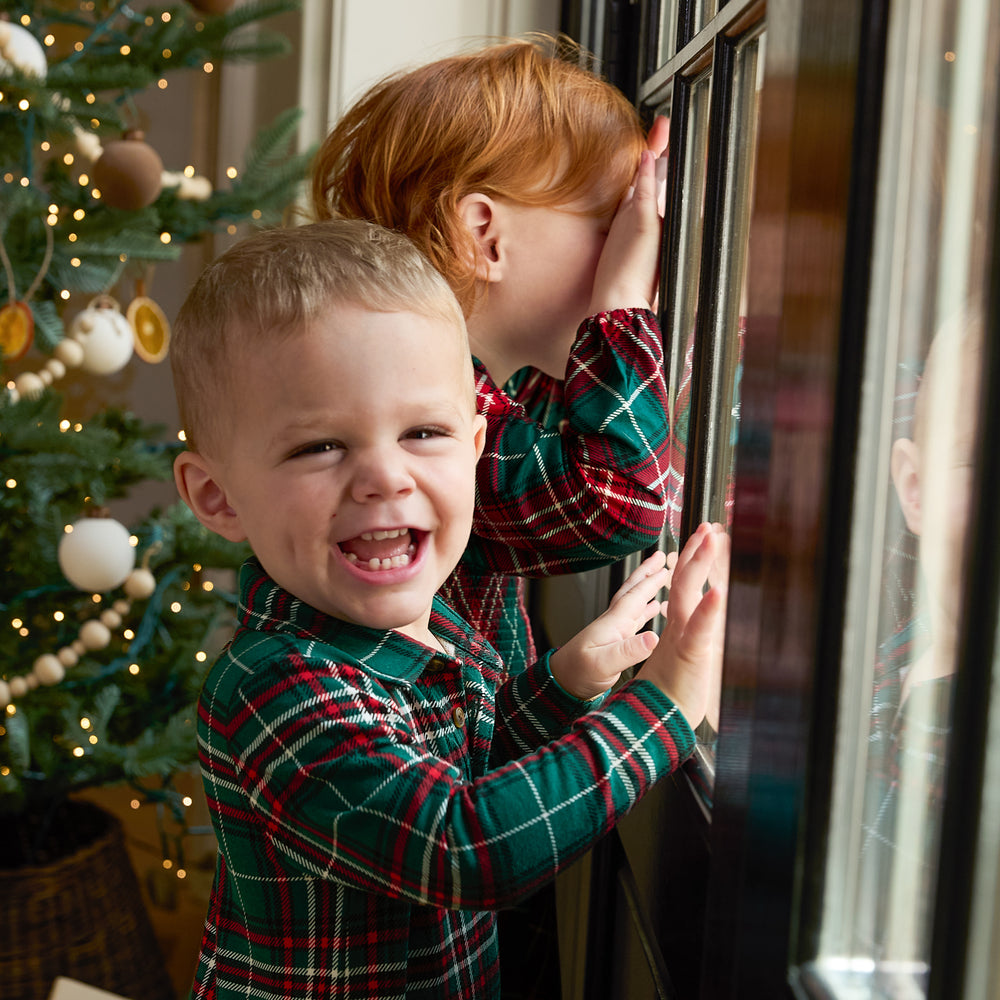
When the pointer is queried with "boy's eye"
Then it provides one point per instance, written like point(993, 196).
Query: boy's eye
point(426, 433)
point(317, 448)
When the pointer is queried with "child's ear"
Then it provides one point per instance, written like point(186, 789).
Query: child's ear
point(202, 492)
point(479, 434)
point(905, 467)
point(482, 216)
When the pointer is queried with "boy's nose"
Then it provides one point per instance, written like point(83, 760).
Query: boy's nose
point(381, 473)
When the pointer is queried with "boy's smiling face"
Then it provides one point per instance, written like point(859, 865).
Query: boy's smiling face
point(350, 466)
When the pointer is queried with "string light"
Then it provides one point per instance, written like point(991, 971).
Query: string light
point(50, 668)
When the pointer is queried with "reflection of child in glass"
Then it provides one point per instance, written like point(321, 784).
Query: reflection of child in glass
point(508, 167)
point(911, 711)
point(376, 788)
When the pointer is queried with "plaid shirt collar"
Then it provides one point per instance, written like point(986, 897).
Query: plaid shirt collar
point(386, 653)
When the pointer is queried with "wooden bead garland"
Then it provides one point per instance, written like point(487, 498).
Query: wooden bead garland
point(50, 668)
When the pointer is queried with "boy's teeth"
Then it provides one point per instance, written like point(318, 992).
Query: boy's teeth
point(379, 564)
point(378, 536)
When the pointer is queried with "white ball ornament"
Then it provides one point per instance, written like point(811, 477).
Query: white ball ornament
point(20, 50)
point(105, 336)
point(96, 555)
point(48, 669)
point(18, 687)
point(4, 693)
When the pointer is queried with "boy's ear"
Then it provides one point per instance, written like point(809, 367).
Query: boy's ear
point(479, 434)
point(482, 216)
point(905, 467)
point(202, 492)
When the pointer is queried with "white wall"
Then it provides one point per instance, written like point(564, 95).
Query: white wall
point(349, 44)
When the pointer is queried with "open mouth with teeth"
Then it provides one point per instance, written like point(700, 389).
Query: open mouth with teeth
point(378, 551)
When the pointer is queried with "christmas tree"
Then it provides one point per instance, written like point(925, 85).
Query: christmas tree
point(105, 629)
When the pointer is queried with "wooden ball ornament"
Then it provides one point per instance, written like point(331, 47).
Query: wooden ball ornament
point(48, 669)
point(69, 352)
point(29, 385)
point(104, 334)
point(96, 555)
point(129, 173)
point(140, 584)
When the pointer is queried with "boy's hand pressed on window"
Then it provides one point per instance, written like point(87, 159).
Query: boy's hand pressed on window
point(686, 663)
point(592, 661)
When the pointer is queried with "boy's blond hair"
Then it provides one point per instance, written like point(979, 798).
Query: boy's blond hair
point(269, 286)
point(520, 120)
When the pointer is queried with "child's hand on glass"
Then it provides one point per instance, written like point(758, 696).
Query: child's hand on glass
point(686, 664)
point(592, 661)
point(685, 659)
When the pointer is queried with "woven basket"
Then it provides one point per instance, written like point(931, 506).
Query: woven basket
point(81, 916)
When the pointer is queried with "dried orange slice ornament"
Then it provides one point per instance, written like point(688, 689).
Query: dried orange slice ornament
point(150, 327)
point(17, 330)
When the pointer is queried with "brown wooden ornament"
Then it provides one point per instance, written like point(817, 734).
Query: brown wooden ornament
point(129, 173)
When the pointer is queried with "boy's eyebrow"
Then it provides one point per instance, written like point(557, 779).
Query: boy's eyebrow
point(320, 421)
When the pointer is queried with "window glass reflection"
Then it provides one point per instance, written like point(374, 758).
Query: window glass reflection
point(915, 472)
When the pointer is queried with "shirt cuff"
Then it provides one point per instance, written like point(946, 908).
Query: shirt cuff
point(589, 702)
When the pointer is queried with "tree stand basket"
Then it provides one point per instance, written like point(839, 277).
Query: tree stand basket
point(80, 916)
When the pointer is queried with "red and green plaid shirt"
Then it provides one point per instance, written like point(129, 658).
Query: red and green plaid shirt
point(374, 800)
point(573, 475)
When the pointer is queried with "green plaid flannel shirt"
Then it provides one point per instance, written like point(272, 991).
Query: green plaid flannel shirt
point(375, 801)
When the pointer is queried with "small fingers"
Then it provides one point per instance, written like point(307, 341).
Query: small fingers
point(659, 135)
point(661, 186)
point(653, 563)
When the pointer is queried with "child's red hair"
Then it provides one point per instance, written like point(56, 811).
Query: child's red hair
point(517, 121)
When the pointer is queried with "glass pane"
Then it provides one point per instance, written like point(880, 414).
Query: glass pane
point(667, 29)
point(918, 429)
point(730, 312)
point(685, 286)
point(704, 11)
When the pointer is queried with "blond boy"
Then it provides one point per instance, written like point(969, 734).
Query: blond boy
point(376, 790)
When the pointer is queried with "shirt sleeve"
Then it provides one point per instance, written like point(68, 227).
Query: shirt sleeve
point(587, 486)
point(345, 787)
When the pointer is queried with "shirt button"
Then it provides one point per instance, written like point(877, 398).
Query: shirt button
point(458, 717)
point(436, 664)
